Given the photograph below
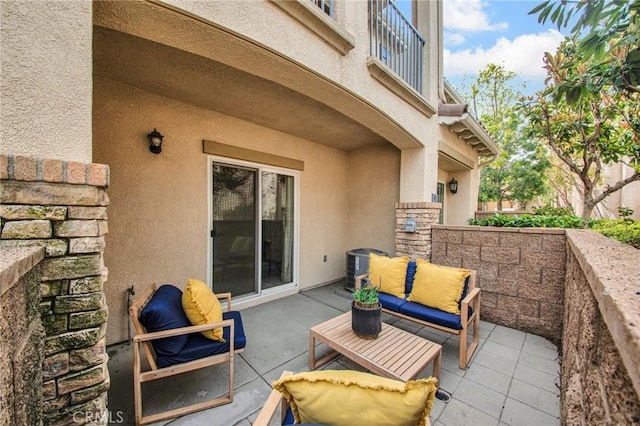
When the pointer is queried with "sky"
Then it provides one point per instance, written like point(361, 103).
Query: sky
point(479, 32)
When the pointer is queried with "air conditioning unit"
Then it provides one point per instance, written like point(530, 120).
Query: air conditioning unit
point(358, 264)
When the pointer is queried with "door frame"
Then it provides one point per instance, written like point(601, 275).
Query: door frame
point(211, 159)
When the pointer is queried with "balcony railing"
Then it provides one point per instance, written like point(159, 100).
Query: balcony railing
point(395, 42)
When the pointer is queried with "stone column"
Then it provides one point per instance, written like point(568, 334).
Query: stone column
point(416, 244)
point(62, 206)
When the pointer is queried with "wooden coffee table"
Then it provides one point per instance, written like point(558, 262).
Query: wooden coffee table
point(395, 353)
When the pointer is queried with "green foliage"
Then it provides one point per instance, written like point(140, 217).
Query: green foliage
point(553, 211)
point(518, 174)
point(607, 32)
point(624, 230)
point(625, 212)
point(530, 221)
point(367, 293)
point(597, 128)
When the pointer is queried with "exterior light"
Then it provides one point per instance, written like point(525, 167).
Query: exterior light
point(155, 141)
point(453, 185)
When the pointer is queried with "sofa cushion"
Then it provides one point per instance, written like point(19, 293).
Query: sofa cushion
point(438, 286)
point(202, 307)
point(388, 273)
point(432, 315)
point(390, 302)
point(164, 312)
point(355, 398)
point(411, 272)
point(199, 346)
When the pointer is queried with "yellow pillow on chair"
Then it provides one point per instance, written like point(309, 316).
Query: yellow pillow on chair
point(388, 273)
point(202, 306)
point(348, 398)
point(438, 286)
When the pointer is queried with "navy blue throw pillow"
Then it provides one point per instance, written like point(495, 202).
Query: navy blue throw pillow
point(164, 312)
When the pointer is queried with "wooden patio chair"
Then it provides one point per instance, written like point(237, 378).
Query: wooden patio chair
point(188, 359)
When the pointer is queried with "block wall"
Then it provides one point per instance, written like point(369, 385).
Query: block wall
point(520, 271)
point(601, 336)
point(61, 206)
point(21, 337)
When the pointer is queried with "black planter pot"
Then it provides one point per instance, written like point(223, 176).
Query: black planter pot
point(366, 322)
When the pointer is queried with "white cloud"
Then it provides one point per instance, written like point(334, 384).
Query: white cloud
point(453, 39)
point(523, 55)
point(469, 15)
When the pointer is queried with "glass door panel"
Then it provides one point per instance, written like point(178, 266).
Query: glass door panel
point(234, 229)
point(441, 200)
point(277, 229)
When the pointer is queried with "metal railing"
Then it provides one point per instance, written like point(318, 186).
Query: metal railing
point(395, 42)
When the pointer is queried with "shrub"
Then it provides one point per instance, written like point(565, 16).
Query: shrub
point(624, 230)
point(530, 221)
point(553, 211)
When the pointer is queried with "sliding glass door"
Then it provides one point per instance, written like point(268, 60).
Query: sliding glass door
point(253, 228)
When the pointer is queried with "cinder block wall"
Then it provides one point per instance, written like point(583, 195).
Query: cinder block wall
point(520, 271)
point(21, 337)
point(601, 336)
point(62, 207)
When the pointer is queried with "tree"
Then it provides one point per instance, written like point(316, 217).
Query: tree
point(607, 34)
point(518, 174)
point(597, 127)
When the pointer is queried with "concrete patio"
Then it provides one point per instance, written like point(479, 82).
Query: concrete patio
point(512, 379)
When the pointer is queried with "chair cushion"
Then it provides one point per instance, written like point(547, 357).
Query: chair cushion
point(436, 316)
point(411, 272)
point(202, 307)
point(164, 312)
point(355, 398)
point(388, 273)
point(438, 286)
point(199, 346)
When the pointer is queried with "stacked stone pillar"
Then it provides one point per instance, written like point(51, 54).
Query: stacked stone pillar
point(62, 207)
point(416, 244)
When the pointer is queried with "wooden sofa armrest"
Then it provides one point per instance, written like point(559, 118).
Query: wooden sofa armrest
point(359, 279)
point(146, 337)
point(227, 297)
point(275, 400)
point(473, 299)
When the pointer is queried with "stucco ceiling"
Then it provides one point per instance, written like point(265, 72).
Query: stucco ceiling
point(180, 75)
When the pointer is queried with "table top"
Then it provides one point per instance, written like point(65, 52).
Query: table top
point(395, 353)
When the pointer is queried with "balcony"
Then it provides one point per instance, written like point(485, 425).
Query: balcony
point(395, 42)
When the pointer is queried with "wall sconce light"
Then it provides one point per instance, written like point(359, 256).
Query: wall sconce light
point(453, 185)
point(155, 141)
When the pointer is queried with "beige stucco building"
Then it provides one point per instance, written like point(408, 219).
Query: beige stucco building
point(293, 132)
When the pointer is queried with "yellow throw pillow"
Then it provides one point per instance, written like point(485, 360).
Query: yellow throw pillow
point(388, 273)
point(347, 398)
point(438, 286)
point(202, 307)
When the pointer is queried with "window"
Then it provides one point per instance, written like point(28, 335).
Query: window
point(325, 5)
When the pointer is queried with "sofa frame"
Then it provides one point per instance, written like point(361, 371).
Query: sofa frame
point(468, 322)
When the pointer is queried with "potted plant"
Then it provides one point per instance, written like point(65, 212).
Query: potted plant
point(366, 311)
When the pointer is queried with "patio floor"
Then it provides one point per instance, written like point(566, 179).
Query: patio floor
point(512, 379)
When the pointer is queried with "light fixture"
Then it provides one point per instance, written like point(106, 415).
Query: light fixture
point(155, 141)
point(453, 185)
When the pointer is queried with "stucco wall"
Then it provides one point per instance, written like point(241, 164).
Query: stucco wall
point(373, 190)
point(159, 203)
point(45, 84)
